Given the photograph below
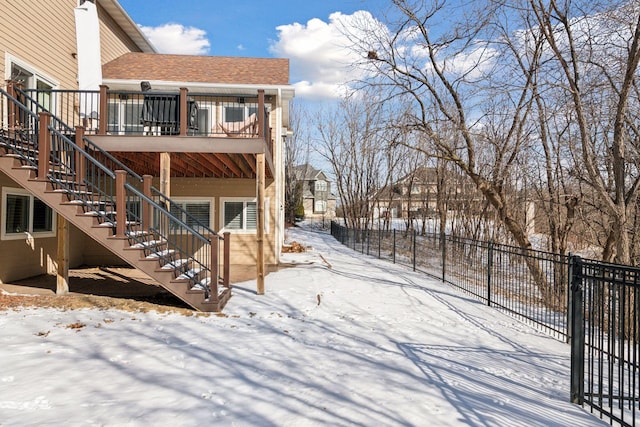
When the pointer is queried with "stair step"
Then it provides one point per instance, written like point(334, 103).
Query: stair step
point(98, 213)
point(137, 233)
point(69, 191)
point(84, 202)
point(189, 275)
point(149, 244)
point(114, 223)
point(173, 265)
point(31, 152)
point(161, 254)
point(202, 285)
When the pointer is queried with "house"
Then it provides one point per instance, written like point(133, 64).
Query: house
point(111, 153)
point(317, 199)
point(412, 196)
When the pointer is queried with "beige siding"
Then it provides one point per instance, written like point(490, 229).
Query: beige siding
point(243, 247)
point(42, 34)
point(114, 41)
point(30, 257)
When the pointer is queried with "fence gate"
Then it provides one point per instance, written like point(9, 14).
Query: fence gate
point(604, 340)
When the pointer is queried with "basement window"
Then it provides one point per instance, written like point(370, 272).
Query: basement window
point(241, 215)
point(195, 213)
point(25, 215)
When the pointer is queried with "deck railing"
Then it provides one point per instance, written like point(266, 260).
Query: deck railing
point(154, 112)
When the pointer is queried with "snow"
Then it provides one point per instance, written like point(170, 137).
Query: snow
point(340, 339)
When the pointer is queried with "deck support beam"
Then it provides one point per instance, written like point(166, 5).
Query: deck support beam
point(62, 274)
point(260, 225)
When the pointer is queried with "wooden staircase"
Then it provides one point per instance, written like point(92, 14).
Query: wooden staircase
point(115, 207)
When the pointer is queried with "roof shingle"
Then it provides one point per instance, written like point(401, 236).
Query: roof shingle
point(198, 69)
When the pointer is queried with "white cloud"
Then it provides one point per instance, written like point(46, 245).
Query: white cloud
point(176, 38)
point(321, 58)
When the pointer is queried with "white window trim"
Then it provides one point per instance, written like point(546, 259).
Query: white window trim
point(244, 199)
point(246, 107)
point(315, 204)
point(212, 206)
point(11, 59)
point(27, 234)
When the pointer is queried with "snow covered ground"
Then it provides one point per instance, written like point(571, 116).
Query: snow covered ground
point(341, 339)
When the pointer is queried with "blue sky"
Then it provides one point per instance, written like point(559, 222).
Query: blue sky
point(303, 31)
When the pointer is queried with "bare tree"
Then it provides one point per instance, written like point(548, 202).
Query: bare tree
point(447, 73)
point(352, 140)
point(596, 47)
point(297, 149)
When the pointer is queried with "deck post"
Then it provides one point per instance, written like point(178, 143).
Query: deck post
point(79, 158)
point(260, 229)
point(226, 258)
point(214, 267)
point(62, 273)
point(121, 203)
point(146, 207)
point(44, 144)
point(183, 111)
point(261, 114)
point(103, 110)
point(12, 108)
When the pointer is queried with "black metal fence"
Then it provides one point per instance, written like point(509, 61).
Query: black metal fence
point(590, 304)
point(605, 352)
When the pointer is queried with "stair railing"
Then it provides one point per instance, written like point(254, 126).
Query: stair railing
point(104, 192)
point(21, 126)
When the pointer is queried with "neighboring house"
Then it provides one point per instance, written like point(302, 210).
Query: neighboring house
point(317, 199)
point(412, 196)
point(199, 139)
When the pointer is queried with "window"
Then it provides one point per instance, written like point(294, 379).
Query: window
point(320, 206)
point(321, 186)
point(203, 121)
point(240, 215)
point(31, 78)
point(124, 117)
point(25, 214)
point(239, 112)
point(194, 213)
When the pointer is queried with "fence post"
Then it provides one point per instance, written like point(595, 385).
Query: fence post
point(577, 331)
point(394, 245)
point(443, 245)
point(369, 240)
point(569, 301)
point(489, 268)
point(414, 250)
point(379, 242)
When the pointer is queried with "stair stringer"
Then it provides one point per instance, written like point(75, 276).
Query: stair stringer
point(119, 246)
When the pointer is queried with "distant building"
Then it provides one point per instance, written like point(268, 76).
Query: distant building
point(317, 199)
point(412, 196)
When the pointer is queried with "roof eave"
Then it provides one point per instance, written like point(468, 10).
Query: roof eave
point(287, 91)
point(123, 19)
